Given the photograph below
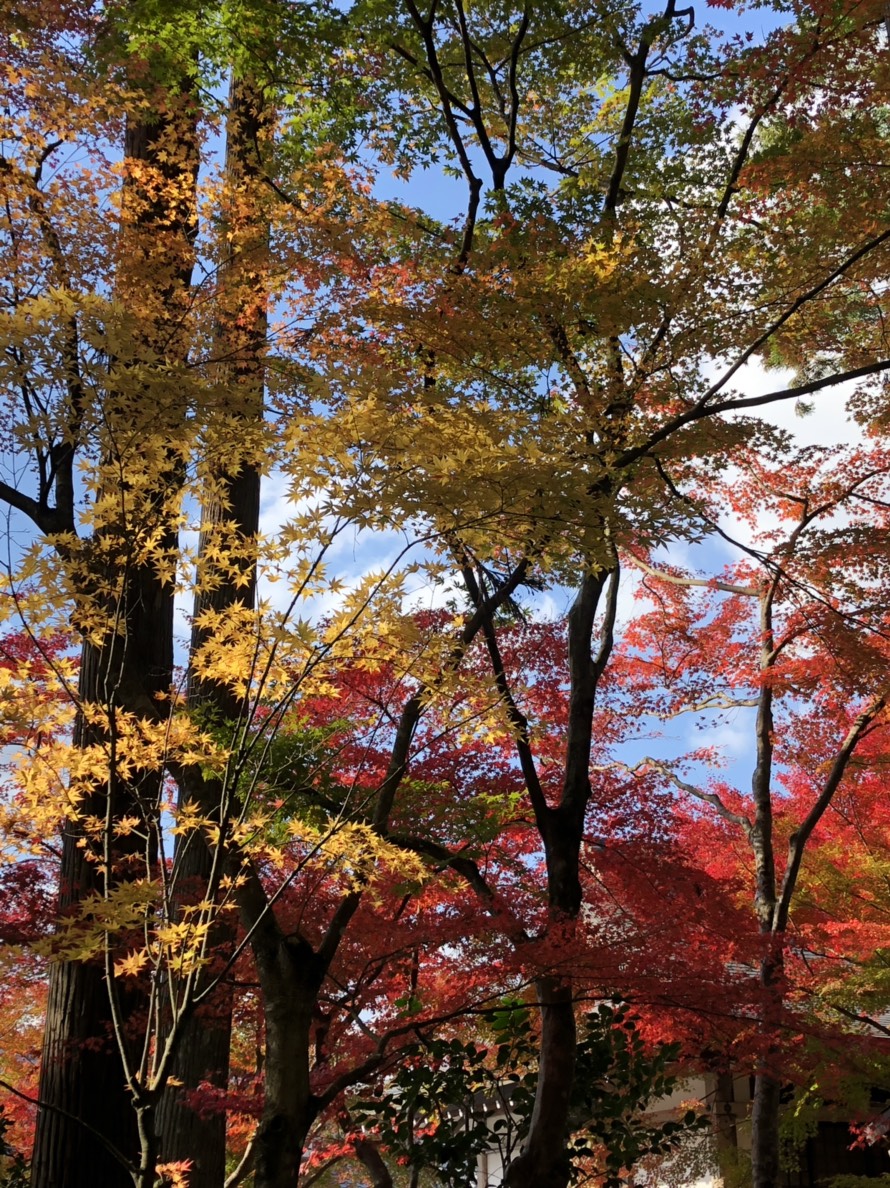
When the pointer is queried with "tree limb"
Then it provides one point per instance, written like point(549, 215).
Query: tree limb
point(676, 580)
point(798, 840)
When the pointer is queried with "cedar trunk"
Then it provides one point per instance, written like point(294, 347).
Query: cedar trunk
point(86, 1112)
point(83, 1094)
point(203, 1051)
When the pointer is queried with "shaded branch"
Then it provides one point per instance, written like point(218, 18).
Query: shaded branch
point(399, 756)
point(47, 519)
point(857, 1017)
point(798, 840)
point(466, 867)
point(702, 408)
point(796, 305)
point(638, 74)
point(448, 101)
point(583, 679)
point(710, 798)
point(518, 720)
point(414, 708)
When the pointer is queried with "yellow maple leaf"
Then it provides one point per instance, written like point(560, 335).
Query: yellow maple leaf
point(130, 965)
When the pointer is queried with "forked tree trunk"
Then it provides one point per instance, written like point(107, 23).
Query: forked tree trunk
point(544, 1160)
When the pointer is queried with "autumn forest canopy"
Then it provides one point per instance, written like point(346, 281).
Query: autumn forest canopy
point(445, 581)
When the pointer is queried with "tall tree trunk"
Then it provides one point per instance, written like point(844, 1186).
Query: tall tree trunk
point(544, 1161)
point(83, 1102)
point(765, 1131)
point(232, 508)
point(289, 1109)
point(766, 1104)
point(765, 1108)
point(290, 975)
point(83, 1094)
point(86, 1111)
point(726, 1139)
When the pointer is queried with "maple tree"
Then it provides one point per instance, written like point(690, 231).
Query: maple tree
point(26, 894)
point(801, 644)
point(627, 370)
point(521, 396)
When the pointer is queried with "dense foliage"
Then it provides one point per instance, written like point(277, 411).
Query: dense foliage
point(394, 464)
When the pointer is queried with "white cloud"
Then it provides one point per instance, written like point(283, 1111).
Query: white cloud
point(825, 423)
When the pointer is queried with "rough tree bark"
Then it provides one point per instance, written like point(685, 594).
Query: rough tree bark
point(232, 504)
point(290, 975)
point(81, 1069)
point(85, 1112)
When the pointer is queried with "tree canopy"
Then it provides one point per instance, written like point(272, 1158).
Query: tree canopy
point(392, 454)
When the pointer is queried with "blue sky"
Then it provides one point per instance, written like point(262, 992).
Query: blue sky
point(444, 197)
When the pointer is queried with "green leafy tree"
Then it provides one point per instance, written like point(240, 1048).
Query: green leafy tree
point(457, 1100)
